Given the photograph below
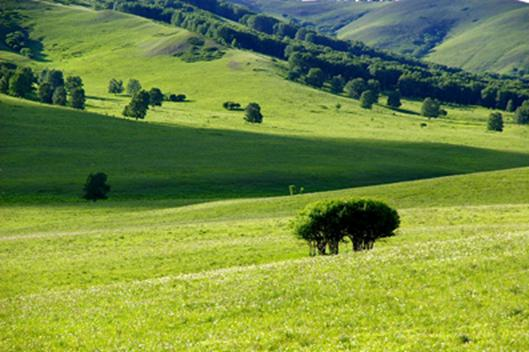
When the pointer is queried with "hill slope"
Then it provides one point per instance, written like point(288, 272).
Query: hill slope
point(475, 35)
point(491, 32)
point(211, 276)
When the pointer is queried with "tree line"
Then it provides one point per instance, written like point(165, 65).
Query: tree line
point(49, 86)
point(306, 49)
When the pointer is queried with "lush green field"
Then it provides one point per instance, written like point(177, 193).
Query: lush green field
point(181, 258)
point(197, 149)
point(230, 275)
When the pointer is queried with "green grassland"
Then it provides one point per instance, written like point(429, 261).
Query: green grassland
point(194, 251)
point(198, 150)
point(230, 275)
point(475, 35)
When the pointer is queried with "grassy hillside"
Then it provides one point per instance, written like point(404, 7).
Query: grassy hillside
point(328, 15)
point(211, 276)
point(174, 261)
point(476, 35)
point(49, 152)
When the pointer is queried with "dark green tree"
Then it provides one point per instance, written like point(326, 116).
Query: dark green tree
point(133, 87)
point(253, 113)
point(115, 86)
point(394, 99)
point(374, 86)
point(356, 87)
point(21, 82)
point(326, 223)
point(365, 221)
point(315, 77)
point(510, 106)
point(16, 40)
point(4, 84)
point(430, 108)
point(59, 96)
point(337, 83)
point(495, 122)
point(77, 98)
point(138, 106)
point(367, 99)
point(155, 97)
point(45, 93)
point(54, 78)
point(96, 187)
point(521, 116)
point(73, 83)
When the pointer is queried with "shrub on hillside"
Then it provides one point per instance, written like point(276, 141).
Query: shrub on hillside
point(96, 187)
point(495, 122)
point(355, 88)
point(323, 225)
point(431, 108)
point(368, 98)
point(177, 98)
point(155, 97)
point(394, 99)
point(133, 87)
point(231, 105)
point(115, 86)
point(522, 114)
point(253, 113)
point(138, 105)
point(77, 98)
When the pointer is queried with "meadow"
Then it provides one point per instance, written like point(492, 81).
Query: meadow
point(194, 249)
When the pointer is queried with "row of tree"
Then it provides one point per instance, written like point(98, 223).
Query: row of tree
point(324, 225)
point(52, 87)
point(336, 59)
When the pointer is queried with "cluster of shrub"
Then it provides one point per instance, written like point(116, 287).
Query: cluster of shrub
point(52, 87)
point(12, 34)
point(252, 112)
point(307, 49)
point(141, 99)
point(324, 225)
point(521, 117)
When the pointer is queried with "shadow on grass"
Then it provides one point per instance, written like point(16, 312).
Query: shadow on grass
point(154, 161)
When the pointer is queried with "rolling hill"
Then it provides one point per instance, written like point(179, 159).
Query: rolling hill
point(475, 35)
point(194, 249)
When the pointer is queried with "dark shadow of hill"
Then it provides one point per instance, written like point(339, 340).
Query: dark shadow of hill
point(48, 152)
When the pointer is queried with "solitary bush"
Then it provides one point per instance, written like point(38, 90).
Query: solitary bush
point(231, 105)
point(253, 113)
point(495, 122)
point(96, 187)
point(325, 224)
point(431, 108)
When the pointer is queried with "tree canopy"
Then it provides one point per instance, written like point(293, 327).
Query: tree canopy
point(323, 225)
point(253, 113)
point(96, 187)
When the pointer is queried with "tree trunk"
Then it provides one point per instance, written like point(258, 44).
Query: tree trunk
point(322, 248)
